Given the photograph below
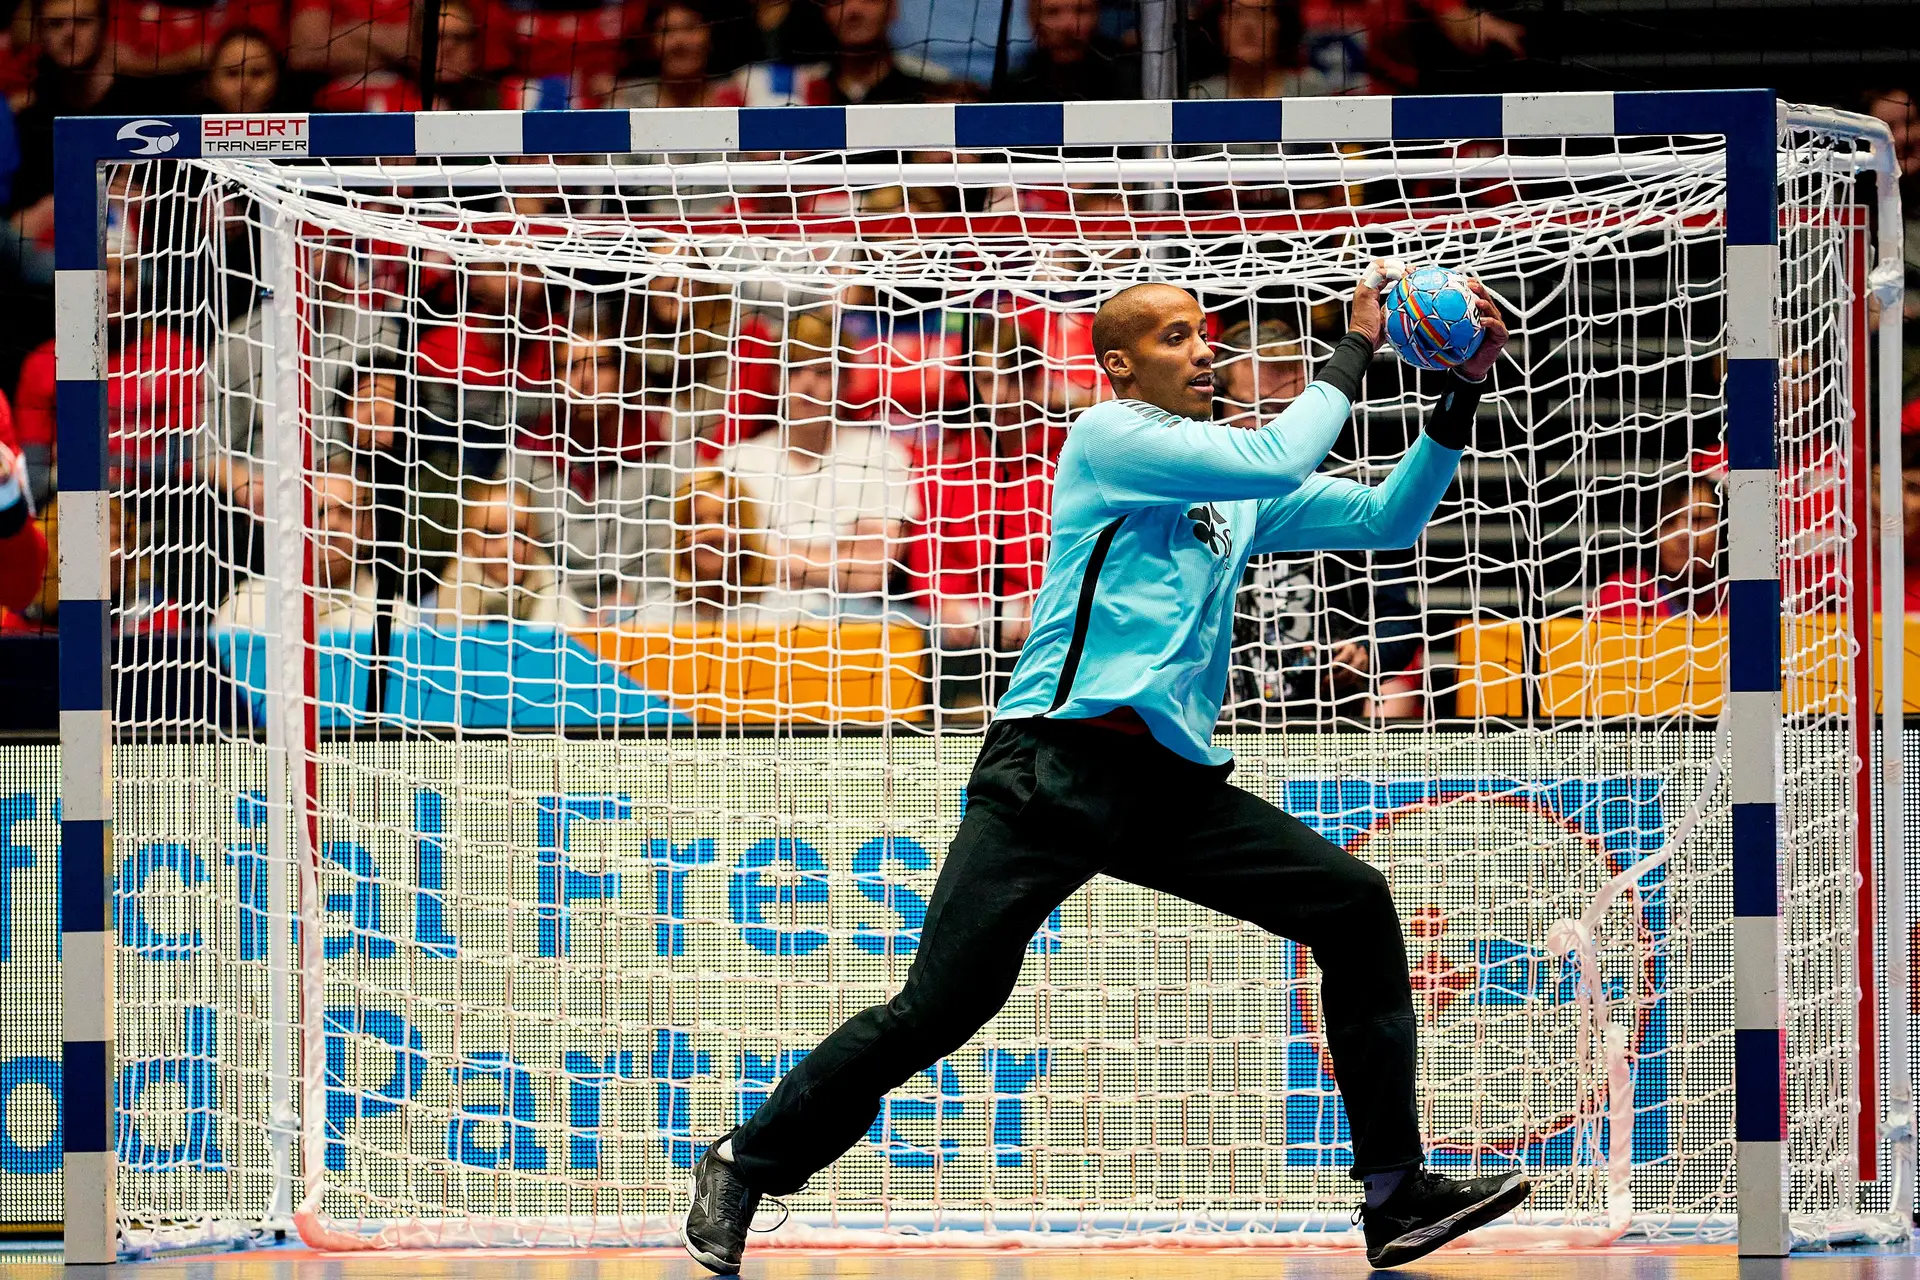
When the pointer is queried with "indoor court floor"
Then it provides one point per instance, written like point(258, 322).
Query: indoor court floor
point(1693, 1263)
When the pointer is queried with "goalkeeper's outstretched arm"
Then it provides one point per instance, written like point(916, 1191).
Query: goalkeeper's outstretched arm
point(1329, 513)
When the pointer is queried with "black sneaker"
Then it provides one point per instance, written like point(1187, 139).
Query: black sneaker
point(1426, 1210)
point(721, 1214)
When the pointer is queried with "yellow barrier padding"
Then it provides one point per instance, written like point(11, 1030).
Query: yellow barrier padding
point(776, 673)
point(1598, 668)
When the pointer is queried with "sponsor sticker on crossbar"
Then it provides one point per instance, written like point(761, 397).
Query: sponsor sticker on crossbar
point(276, 135)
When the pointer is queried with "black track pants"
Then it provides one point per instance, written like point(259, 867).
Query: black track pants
point(1051, 804)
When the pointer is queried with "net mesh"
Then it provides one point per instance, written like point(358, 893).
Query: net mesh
point(559, 598)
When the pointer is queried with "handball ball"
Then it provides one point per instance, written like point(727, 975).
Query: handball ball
point(1431, 318)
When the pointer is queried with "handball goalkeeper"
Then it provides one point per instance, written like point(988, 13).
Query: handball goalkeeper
point(1101, 761)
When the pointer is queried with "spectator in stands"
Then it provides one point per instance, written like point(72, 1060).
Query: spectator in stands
point(72, 78)
point(986, 490)
point(1261, 370)
point(155, 388)
point(461, 81)
point(23, 543)
point(351, 39)
point(676, 64)
point(837, 497)
point(904, 349)
point(177, 38)
point(720, 560)
point(243, 73)
point(674, 69)
point(33, 429)
point(576, 41)
point(1686, 579)
point(345, 330)
point(343, 583)
point(1368, 46)
point(601, 490)
point(677, 328)
point(783, 32)
point(1261, 46)
point(488, 368)
point(1070, 60)
point(1325, 637)
point(861, 68)
point(502, 573)
point(415, 476)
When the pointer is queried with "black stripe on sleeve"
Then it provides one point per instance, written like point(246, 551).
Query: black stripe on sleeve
point(1083, 616)
point(1346, 368)
point(1450, 425)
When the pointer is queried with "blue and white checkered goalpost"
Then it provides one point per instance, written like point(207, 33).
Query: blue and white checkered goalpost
point(286, 1123)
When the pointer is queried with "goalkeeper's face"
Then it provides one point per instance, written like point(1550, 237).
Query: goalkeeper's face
point(1159, 350)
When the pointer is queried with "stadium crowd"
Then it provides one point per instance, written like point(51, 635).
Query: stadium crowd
point(496, 443)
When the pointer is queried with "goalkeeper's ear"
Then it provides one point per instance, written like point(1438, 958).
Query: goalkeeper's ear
point(1117, 364)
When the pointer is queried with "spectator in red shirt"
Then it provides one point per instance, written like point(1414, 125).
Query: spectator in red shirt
point(34, 429)
point(23, 544)
point(155, 384)
point(986, 489)
point(490, 367)
point(572, 38)
point(153, 38)
point(1686, 578)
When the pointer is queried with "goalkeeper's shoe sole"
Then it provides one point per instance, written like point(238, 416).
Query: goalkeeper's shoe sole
point(719, 1266)
point(1425, 1238)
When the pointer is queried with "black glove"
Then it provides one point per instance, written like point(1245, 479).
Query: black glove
point(1450, 425)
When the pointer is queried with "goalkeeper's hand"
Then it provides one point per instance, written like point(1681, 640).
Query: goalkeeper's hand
point(1368, 318)
point(1451, 424)
point(1494, 326)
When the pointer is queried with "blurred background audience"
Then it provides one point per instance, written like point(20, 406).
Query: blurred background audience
point(498, 440)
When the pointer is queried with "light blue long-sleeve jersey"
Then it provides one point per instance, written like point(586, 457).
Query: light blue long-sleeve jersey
point(1154, 518)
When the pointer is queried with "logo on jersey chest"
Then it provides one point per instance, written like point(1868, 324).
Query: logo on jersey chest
point(1211, 528)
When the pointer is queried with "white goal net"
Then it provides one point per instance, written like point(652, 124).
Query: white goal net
point(559, 599)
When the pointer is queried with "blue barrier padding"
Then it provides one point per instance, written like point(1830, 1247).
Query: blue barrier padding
point(497, 676)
